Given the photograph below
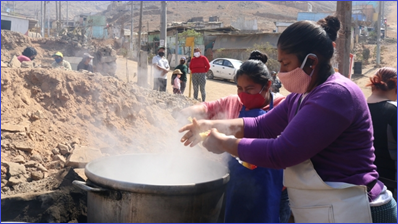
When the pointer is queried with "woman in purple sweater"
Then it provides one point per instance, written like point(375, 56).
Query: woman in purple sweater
point(321, 135)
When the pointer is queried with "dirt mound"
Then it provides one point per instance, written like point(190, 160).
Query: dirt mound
point(46, 110)
point(13, 43)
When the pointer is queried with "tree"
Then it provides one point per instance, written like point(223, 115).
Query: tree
point(272, 52)
point(187, 33)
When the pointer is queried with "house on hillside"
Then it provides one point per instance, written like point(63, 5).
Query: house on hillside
point(205, 42)
point(236, 45)
point(357, 17)
point(16, 23)
point(281, 26)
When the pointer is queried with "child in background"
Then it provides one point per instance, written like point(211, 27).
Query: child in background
point(175, 81)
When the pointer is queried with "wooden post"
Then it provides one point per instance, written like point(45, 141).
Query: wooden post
point(378, 39)
point(176, 48)
point(344, 10)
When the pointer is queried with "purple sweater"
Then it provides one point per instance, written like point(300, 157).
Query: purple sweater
point(333, 128)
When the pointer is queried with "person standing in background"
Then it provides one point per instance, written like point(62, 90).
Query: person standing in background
point(184, 69)
point(161, 67)
point(199, 66)
point(383, 109)
point(176, 82)
point(276, 83)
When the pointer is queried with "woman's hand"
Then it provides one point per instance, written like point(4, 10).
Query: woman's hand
point(214, 142)
point(192, 137)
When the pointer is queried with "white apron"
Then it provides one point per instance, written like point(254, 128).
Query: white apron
point(314, 201)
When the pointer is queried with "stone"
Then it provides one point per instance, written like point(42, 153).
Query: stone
point(36, 175)
point(15, 127)
point(15, 63)
point(59, 158)
point(83, 155)
point(55, 151)
point(4, 182)
point(15, 181)
point(41, 167)
point(3, 65)
point(24, 147)
point(63, 149)
point(55, 165)
point(27, 64)
point(3, 169)
point(37, 115)
point(19, 159)
point(15, 169)
point(31, 164)
point(36, 157)
point(5, 189)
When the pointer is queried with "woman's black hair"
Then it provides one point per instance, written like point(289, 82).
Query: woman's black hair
point(256, 70)
point(257, 55)
point(29, 51)
point(304, 37)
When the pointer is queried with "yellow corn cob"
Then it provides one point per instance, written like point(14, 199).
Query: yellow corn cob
point(204, 135)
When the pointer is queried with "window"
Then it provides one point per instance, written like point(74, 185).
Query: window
point(5, 25)
point(228, 64)
point(218, 62)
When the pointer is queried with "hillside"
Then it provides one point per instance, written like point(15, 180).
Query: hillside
point(266, 12)
point(32, 8)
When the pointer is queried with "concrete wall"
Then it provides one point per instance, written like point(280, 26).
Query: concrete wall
point(243, 24)
point(17, 24)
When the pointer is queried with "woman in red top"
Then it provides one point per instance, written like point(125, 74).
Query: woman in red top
point(199, 66)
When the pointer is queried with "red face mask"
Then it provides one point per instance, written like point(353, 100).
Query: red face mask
point(252, 101)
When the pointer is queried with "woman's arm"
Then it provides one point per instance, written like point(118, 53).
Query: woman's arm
point(227, 127)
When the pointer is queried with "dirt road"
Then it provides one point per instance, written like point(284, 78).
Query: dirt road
point(218, 88)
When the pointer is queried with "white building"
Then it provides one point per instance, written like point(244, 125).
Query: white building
point(16, 23)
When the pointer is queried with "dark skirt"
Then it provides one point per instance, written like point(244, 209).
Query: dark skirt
point(176, 91)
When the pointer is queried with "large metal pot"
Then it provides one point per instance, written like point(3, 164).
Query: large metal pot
point(154, 188)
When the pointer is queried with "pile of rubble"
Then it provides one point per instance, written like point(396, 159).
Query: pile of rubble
point(65, 118)
point(105, 60)
point(75, 35)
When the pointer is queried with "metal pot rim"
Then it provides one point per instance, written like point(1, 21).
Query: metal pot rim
point(192, 188)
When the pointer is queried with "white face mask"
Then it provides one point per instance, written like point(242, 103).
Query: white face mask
point(196, 54)
point(296, 81)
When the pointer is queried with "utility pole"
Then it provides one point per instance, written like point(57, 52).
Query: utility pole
point(378, 36)
point(67, 13)
point(60, 16)
point(45, 13)
point(385, 24)
point(56, 15)
point(163, 26)
point(48, 21)
point(142, 69)
point(147, 31)
point(139, 32)
point(42, 18)
point(132, 30)
point(344, 10)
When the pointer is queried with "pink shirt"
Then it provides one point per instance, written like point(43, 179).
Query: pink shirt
point(177, 83)
point(22, 58)
point(229, 107)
